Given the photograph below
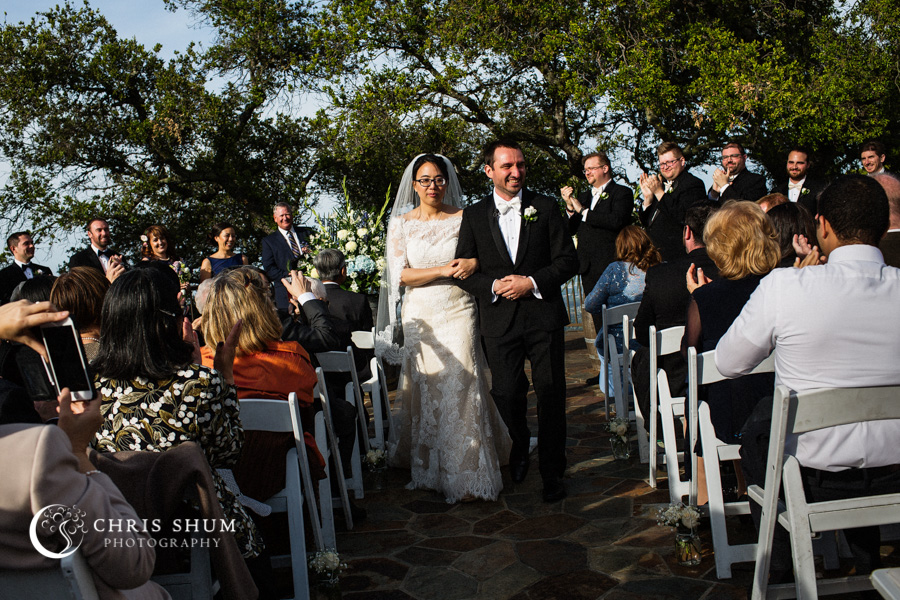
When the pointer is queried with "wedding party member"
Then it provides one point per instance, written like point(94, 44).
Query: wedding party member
point(733, 181)
point(666, 198)
point(597, 216)
point(99, 254)
point(872, 155)
point(447, 430)
point(156, 245)
point(282, 247)
point(801, 187)
point(525, 255)
point(21, 246)
point(222, 236)
point(622, 282)
point(833, 325)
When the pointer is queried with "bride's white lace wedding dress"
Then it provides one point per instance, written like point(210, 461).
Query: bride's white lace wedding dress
point(448, 431)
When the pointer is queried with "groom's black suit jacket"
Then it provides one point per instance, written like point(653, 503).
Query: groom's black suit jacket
point(545, 253)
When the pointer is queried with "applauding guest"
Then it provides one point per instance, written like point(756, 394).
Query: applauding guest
point(733, 181)
point(224, 237)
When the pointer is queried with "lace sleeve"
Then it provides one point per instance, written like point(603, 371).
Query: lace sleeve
point(388, 332)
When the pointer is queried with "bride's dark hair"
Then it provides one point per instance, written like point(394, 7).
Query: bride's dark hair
point(437, 161)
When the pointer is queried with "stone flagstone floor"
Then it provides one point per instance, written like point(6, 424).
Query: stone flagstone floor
point(602, 542)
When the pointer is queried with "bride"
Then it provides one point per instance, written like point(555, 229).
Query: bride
point(448, 431)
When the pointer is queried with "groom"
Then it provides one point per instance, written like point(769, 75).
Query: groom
point(525, 254)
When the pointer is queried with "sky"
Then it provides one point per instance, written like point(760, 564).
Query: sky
point(149, 23)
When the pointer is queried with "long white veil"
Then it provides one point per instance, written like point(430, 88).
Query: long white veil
point(388, 330)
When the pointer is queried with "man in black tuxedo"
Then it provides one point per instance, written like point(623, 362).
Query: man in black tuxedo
point(890, 243)
point(665, 303)
point(597, 216)
point(525, 255)
point(800, 186)
point(21, 245)
point(287, 244)
point(666, 198)
point(733, 181)
point(99, 254)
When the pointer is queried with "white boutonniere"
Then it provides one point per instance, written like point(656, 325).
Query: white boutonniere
point(39, 272)
point(804, 191)
point(603, 195)
point(530, 214)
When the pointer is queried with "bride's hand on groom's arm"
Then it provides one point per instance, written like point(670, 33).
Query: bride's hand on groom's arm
point(462, 268)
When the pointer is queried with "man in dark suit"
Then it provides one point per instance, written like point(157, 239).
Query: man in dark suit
point(99, 254)
point(733, 181)
point(665, 302)
point(890, 243)
point(21, 245)
point(666, 198)
point(597, 216)
point(285, 245)
point(525, 254)
point(800, 186)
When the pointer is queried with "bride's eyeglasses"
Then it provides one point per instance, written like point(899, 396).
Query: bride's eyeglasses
point(426, 182)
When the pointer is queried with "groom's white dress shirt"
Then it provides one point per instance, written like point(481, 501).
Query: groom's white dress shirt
point(835, 325)
point(510, 221)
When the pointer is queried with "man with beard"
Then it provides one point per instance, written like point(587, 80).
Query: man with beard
point(99, 254)
point(666, 198)
point(800, 187)
point(733, 181)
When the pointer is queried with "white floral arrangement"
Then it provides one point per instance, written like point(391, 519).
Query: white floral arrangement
point(376, 458)
point(361, 236)
point(619, 427)
point(326, 565)
point(678, 515)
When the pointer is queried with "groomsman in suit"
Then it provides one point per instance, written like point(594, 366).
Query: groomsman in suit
point(890, 243)
point(733, 181)
point(99, 254)
point(873, 156)
point(21, 245)
point(666, 198)
point(286, 244)
point(597, 216)
point(800, 187)
point(526, 254)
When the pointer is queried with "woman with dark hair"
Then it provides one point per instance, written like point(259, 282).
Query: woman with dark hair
point(155, 394)
point(448, 431)
point(741, 241)
point(81, 292)
point(623, 281)
point(790, 220)
point(224, 237)
point(36, 289)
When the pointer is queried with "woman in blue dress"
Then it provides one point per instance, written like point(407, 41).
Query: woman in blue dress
point(223, 236)
point(623, 280)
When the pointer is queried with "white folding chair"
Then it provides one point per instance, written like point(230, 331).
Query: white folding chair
point(327, 443)
point(702, 371)
point(795, 413)
point(611, 316)
point(662, 343)
point(342, 362)
point(70, 579)
point(376, 387)
point(284, 417)
point(672, 410)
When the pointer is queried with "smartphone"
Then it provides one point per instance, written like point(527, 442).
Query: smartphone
point(67, 366)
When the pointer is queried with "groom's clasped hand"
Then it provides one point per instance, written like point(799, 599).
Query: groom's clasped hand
point(513, 287)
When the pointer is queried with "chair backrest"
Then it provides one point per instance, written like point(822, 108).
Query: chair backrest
point(612, 316)
point(662, 343)
point(343, 362)
point(364, 340)
point(263, 414)
point(70, 579)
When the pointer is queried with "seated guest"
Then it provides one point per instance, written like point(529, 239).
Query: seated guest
point(890, 243)
point(154, 394)
point(343, 304)
point(791, 220)
point(664, 304)
point(835, 325)
point(121, 561)
point(772, 200)
point(622, 281)
point(742, 242)
point(222, 236)
point(36, 289)
point(81, 292)
point(264, 367)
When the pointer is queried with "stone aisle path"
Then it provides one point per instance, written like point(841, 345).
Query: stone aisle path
point(601, 542)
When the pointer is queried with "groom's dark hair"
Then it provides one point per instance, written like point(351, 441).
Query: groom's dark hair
point(488, 152)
